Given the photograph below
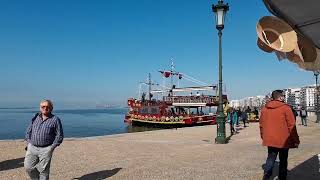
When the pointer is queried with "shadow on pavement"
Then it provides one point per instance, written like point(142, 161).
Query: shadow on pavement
point(100, 174)
point(239, 128)
point(309, 170)
point(11, 164)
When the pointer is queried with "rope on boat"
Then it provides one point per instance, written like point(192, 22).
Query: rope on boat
point(194, 80)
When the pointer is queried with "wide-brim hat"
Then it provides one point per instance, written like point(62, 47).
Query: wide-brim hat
point(312, 66)
point(305, 51)
point(263, 46)
point(295, 55)
point(277, 34)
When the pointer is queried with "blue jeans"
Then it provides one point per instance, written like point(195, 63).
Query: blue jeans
point(272, 156)
point(37, 162)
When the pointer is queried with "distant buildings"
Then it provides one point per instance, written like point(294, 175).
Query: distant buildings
point(292, 96)
point(256, 101)
point(235, 103)
point(296, 97)
point(307, 98)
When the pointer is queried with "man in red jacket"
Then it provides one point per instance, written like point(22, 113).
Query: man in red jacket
point(278, 133)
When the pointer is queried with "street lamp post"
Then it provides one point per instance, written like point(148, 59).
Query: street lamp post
point(220, 11)
point(316, 74)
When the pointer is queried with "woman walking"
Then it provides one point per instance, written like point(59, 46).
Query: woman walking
point(229, 119)
point(234, 120)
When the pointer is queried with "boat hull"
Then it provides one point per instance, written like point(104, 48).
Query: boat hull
point(174, 124)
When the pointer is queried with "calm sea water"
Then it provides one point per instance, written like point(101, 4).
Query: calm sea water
point(76, 123)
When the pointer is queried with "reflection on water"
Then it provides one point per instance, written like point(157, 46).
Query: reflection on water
point(132, 129)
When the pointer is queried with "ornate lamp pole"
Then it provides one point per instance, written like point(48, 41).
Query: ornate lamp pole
point(316, 74)
point(220, 11)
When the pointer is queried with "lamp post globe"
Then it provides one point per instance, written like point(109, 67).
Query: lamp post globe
point(220, 11)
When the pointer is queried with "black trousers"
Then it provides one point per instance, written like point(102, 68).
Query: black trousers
point(244, 122)
point(231, 127)
point(272, 156)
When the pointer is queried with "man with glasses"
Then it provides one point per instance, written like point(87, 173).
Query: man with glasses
point(278, 132)
point(43, 135)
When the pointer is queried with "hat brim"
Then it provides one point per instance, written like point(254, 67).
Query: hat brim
point(276, 34)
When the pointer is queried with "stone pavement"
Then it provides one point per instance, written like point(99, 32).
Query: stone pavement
point(186, 153)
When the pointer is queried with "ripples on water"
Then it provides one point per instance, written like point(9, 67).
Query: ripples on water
point(76, 122)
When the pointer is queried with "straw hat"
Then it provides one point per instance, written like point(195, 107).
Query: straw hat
point(263, 46)
point(277, 34)
point(295, 55)
point(305, 51)
point(312, 66)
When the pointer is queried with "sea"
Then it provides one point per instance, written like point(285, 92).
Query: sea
point(76, 122)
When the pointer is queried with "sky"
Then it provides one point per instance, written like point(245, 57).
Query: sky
point(83, 53)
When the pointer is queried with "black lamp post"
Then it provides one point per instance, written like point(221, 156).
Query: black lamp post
point(316, 74)
point(220, 11)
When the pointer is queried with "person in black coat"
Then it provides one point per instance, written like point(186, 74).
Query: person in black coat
point(294, 113)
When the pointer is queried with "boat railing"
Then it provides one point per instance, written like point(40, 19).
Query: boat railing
point(192, 99)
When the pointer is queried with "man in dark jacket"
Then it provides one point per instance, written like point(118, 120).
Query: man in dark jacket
point(244, 117)
point(294, 113)
point(256, 112)
point(303, 115)
point(278, 132)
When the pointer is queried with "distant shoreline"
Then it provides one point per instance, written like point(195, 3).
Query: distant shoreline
point(6, 108)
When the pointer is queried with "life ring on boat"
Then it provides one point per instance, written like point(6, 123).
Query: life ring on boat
point(167, 119)
point(171, 118)
point(163, 118)
point(176, 119)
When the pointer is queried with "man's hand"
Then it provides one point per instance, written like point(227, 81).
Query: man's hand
point(26, 147)
point(53, 147)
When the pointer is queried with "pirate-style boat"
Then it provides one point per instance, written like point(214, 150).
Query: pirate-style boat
point(176, 106)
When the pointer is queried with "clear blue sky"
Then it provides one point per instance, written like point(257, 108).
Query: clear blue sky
point(80, 52)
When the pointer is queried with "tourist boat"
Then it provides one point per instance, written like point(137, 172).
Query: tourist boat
point(175, 108)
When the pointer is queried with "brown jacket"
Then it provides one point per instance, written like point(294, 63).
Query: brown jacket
point(277, 126)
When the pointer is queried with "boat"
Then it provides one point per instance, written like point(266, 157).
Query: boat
point(177, 106)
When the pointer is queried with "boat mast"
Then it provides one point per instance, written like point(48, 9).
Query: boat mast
point(149, 83)
point(172, 69)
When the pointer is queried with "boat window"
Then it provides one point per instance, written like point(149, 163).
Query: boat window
point(154, 110)
point(144, 110)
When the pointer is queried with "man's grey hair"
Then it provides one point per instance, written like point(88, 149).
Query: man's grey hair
point(48, 101)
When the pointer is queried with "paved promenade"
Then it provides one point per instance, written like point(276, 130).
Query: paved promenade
point(187, 153)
